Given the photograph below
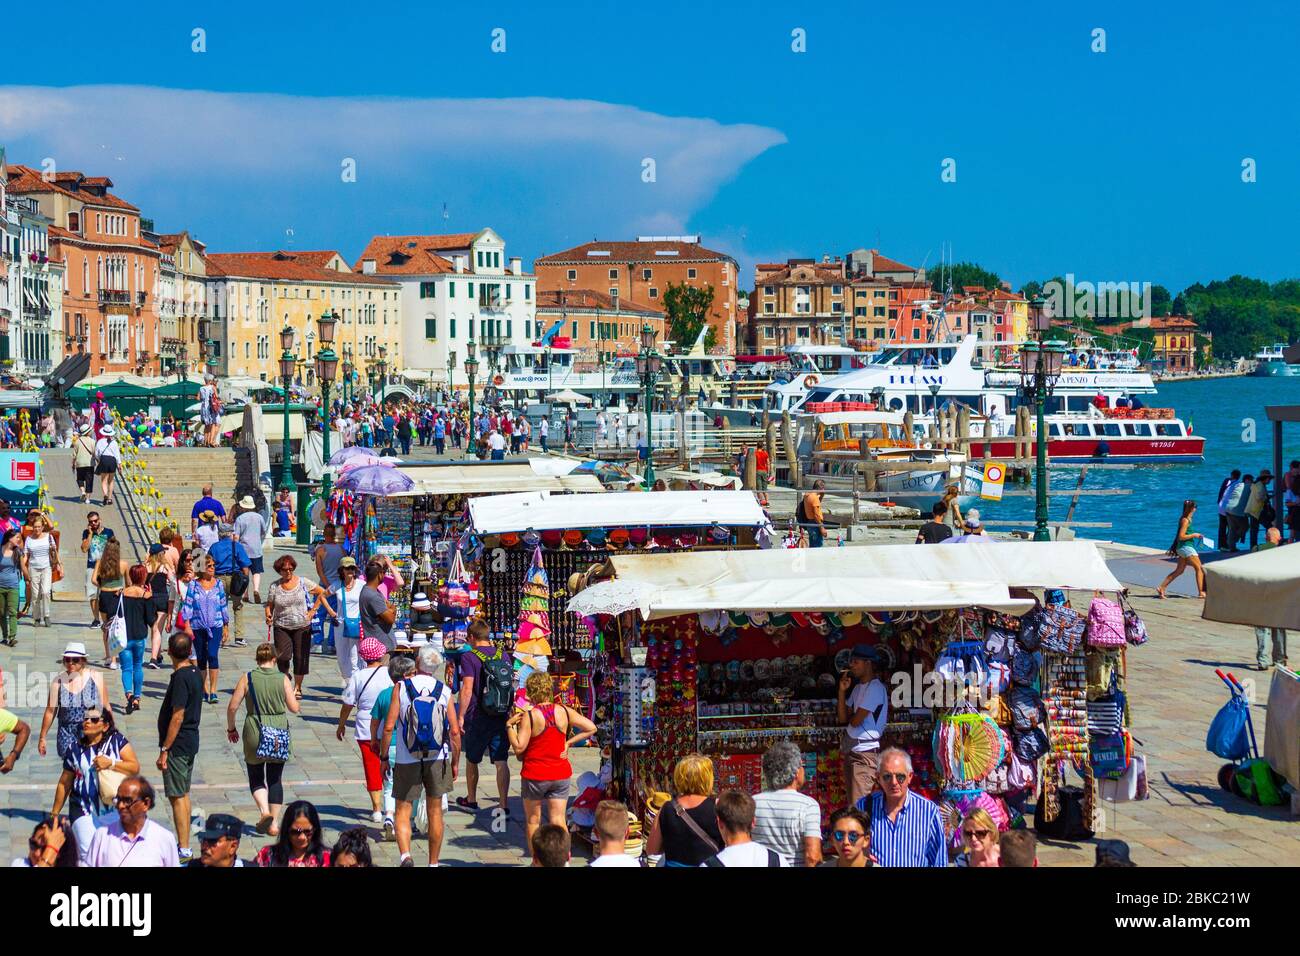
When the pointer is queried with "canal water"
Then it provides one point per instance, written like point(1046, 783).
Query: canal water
point(1228, 412)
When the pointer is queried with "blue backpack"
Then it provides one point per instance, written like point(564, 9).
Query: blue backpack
point(423, 728)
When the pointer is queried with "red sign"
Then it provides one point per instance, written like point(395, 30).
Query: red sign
point(22, 470)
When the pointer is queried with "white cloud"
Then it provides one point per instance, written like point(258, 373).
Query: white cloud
point(552, 170)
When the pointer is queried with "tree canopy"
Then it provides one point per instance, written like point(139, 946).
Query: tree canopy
point(686, 308)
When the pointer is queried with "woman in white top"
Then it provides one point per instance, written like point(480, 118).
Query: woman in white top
point(107, 457)
point(347, 598)
point(40, 558)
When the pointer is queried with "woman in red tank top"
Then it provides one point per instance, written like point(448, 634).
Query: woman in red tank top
point(540, 739)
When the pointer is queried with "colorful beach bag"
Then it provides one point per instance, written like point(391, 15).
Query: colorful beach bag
point(1105, 623)
point(1060, 629)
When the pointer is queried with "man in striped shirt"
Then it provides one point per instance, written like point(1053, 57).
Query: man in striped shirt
point(905, 826)
point(786, 820)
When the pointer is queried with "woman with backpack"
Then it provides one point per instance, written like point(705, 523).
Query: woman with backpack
point(540, 737)
point(269, 701)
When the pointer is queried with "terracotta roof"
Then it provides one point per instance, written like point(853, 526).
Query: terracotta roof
point(1174, 322)
point(280, 265)
point(558, 300)
point(413, 255)
point(24, 179)
point(633, 252)
point(885, 264)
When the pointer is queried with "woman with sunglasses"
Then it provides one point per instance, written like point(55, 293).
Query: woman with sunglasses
point(73, 694)
point(851, 833)
point(51, 844)
point(300, 842)
point(979, 835)
point(101, 748)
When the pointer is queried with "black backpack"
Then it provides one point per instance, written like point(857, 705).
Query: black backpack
point(496, 683)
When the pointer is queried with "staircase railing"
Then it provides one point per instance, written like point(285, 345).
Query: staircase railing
point(125, 496)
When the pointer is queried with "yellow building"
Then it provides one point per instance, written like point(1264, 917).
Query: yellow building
point(253, 295)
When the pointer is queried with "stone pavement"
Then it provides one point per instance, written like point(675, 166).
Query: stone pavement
point(323, 770)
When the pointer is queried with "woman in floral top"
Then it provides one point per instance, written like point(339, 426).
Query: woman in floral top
point(301, 841)
point(206, 614)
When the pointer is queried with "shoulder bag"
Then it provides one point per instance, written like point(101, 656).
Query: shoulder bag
point(117, 637)
point(694, 827)
point(107, 783)
point(272, 742)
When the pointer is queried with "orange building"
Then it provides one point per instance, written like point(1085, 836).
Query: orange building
point(641, 271)
point(1175, 342)
point(111, 271)
point(597, 323)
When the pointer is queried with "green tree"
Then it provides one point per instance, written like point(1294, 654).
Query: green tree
point(959, 274)
point(686, 308)
point(1160, 300)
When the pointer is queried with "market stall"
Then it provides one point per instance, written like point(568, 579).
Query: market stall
point(725, 654)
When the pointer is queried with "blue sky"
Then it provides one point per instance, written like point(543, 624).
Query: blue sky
point(1117, 165)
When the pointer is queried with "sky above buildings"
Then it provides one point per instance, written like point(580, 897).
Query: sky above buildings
point(1125, 164)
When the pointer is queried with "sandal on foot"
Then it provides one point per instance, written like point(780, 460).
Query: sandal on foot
point(464, 802)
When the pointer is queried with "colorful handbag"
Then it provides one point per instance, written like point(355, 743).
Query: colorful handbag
point(1106, 713)
point(1110, 754)
point(1027, 711)
point(1025, 668)
point(272, 742)
point(1061, 629)
point(1031, 625)
point(1135, 631)
point(1105, 626)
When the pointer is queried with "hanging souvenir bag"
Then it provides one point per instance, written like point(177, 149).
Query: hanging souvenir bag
point(1027, 711)
point(1030, 634)
point(1106, 713)
point(1025, 668)
point(999, 644)
point(1105, 623)
point(1031, 745)
point(1061, 629)
point(1110, 754)
point(1135, 631)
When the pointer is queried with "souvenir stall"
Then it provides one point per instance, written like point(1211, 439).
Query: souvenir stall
point(726, 654)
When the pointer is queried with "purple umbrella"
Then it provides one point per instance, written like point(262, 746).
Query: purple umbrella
point(344, 455)
point(376, 480)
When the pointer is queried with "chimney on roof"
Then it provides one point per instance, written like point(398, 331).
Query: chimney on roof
point(516, 265)
point(368, 267)
point(460, 262)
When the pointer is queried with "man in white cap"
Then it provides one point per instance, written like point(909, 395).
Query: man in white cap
point(250, 528)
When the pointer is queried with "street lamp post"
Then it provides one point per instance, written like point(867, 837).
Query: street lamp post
point(451, 371)
point(347, 373)
point(288, 362)
point(648, 363)
point(327, 365)
point(471, 368)
point(1040, 366)
point(383, 373)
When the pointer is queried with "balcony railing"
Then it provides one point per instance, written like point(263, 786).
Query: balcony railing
point(140, 298)
point(114, 297)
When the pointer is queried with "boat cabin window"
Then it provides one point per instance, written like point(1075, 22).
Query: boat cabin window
point(1169, 429)
point(1054, 430)
point(1077, 429)
point(1108, 429)
point(906, 356)
point(1139, 429)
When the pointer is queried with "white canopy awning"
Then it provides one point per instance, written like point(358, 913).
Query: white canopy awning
point(492, 479)
point(541, 512)
point(1260, 589)
point(894, 577)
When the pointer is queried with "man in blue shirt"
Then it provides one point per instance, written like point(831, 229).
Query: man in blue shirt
point(905, 826)
point(227, 556)
point(206, 503)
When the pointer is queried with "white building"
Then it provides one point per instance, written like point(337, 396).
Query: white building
point(31, 293)
point(455, 289)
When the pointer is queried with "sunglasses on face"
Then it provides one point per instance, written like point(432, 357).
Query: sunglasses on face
point(849, 836)
point(74, 660)
point(92, 720)
point(894, 777)
point(976, 834)
point(302, 831)
point(126, 801)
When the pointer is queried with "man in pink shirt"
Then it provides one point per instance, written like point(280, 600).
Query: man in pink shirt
point(133, 839)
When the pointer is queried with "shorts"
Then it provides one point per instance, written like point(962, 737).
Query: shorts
point(860, 770)
point(370, 764)
point(108, 602)
point(91, 590)
point(544, 789)
point(106, 466)
point(85, 477)
point(178, 775)
point(486, 735)
point(256, 565)
point(431, 777)
point(1186, 551)
point(207, 648)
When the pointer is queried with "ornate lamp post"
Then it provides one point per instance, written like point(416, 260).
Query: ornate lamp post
point(383, 373)
point(327, 366)
point(1040, 366)
point(471, 369)
point(648, 363)
point(451, 369)
point(288, 362)
point(347, 374)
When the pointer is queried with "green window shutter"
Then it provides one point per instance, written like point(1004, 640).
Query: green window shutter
point(452, 329)
point(451, 290)
point(430, 328)
point(471, 290)
point(528, 292)
point(509, 333)
point(593, 330)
